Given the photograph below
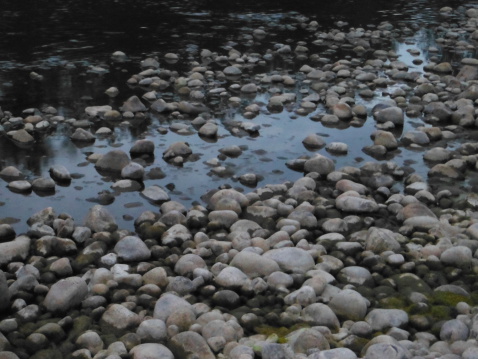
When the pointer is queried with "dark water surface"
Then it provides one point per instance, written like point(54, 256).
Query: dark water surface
point(61, 40)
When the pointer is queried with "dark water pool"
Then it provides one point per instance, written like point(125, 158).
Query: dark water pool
point(62, 39)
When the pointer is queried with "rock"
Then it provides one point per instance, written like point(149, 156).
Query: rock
point(454, 330)
point(351, 201)
point(314, 141)
point(231, 151)
point(152, 330)
point(7, 233)
point(43, 185)
point(180, 149)
point(231, 278)
point(192, 109)
point(355, 275)
point(336, 353)
point(15, 250)
point(97, 111)
point(393, 114)
point(118, 319)
point(349, 304)
point(459, 256)
point(21, 138)
point(186, 265)
point(20, 186)
point(209, 129)
point(132, 249)
point(232, 71)
point(220, 200)
point(11, 173)
point(81, 135)
point(60, 174)
point(133, 171)
point(151, 351)
point(112, 161)
point(90, 340)
point(379, 240)
point(303, 296)
point(100, 220)
point(276, 351)
point(382, 319)
point(133, 104)
point(342, 111)
point(155, 194)
point(386, 139)
point(142, 147)
point(438, 110)
point(254, 265)
point(319, 314)
point(4, 294)
point(320, 164)
point(415, 137)
point(443, 68)
point(190, 345)
point(112, 92)
point(168, 304)
point(387, 350)
point(293, 260)
point(66, 294)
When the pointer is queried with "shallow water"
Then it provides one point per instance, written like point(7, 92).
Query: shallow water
point(61, 39)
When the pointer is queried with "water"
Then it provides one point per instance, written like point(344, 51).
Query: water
point(62, 40)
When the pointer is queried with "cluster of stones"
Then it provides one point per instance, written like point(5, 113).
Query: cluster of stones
point(330, 251)
point(366, 270)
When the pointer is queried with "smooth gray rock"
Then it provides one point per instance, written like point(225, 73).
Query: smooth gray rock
point(133, 171)
point(336, 353)
point(190, 345)
point(142, 147)
point(320, 164)
point(168, 304)
point(387, 350)
point(231, 278)
point(349, 304)
point(118, 319)
point(155, 194)
point(90, 340)
point(15, 250)
point(186, 265)
point(11, 173)
point(254, 265)
point(276, 351)
point(351, 201)
point(82, 135)
point(43, 184)
point(7, 233)
point(60, 173)
point(458, 256)
point(393, 114)
point(319, 314)
point(112, 161)
point(291, 259)
point(99, 219)
point(133, 104)
point(382, 319)
point(454, 330)
point(152, 330)
point(132, 249)
point(151, 351)
point(66, 294)
point(380, 239)
point(181, 149)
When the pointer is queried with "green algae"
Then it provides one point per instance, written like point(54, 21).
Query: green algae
point(279, 334)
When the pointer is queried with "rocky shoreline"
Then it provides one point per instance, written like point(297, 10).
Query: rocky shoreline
point(369, 261)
